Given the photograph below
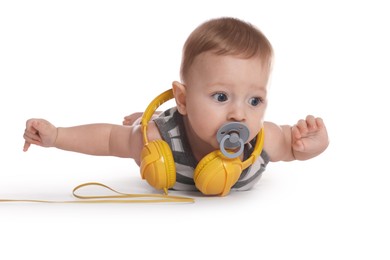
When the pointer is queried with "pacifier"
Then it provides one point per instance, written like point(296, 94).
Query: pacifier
point(232, 135)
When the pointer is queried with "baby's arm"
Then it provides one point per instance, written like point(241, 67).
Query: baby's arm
point(304, 140)
point(93, 139)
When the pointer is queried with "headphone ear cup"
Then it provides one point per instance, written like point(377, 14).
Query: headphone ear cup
point(215, 174)
point(157, 165)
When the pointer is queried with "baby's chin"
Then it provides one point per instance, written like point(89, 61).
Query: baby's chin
point(214, 145)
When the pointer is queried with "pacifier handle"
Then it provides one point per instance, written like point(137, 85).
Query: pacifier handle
point(226, 153)
point(231, 136)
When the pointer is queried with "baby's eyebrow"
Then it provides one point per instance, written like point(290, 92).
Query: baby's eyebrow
point(219, 84)
point(260, 89)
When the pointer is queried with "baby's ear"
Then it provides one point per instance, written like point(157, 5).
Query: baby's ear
point(179, 92)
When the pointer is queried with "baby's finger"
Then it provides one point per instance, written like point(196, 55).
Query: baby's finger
point(311, 122)
point(302, 127)
point(32, 135)
point(26, 146)
point(31, 125)
point(320, 123)
point(296, 134)
point(298, 146)
point(29, 142)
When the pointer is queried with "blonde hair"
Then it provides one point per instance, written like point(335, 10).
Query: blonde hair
point(225, 36)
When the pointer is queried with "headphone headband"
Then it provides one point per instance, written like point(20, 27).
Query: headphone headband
point(152, 107)
point(256, 150)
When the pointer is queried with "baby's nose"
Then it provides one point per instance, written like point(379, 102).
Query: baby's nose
point(236, 114)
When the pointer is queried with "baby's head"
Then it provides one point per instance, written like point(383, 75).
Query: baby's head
point(224, 72)
point(226, 36)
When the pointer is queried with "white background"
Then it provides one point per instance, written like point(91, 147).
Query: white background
point(77, 62)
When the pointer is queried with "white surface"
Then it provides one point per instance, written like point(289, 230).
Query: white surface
point(76, 62)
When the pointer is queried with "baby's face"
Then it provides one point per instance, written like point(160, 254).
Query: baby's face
point(221, 89)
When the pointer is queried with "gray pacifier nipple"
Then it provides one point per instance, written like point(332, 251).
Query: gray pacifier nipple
point(232, 136)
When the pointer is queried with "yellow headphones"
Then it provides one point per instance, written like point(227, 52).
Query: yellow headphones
point(215, 174)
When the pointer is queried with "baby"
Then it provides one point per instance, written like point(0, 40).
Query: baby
point(225, 68)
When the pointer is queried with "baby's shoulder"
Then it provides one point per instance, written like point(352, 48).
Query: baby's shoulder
point(153, 132)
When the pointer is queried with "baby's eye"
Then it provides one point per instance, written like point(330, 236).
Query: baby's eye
point(255, 101)
point(220, 97)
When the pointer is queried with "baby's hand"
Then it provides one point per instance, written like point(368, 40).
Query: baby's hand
point(132, 119)
point(135, 118)
point(309, 137)
point(39, 132)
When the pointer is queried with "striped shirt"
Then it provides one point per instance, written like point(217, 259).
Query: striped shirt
point(171, 127)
